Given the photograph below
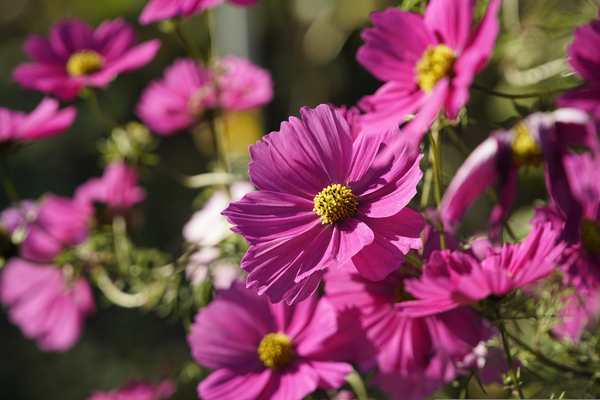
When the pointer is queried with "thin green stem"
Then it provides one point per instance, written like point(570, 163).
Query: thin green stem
point(9, 183)
point(509, 359)
point(94, 107)
point(436, 150)
point(522, 95)
point(189, 45)
point(411, 258)
point(211, 27)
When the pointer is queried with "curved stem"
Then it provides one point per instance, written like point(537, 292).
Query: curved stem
point(522, 95)
point(115, 295)
point(94, 107)
point(188, 44)
point(9, 183)
point(509, 359)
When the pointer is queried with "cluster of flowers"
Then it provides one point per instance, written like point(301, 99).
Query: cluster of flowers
point(401, 292)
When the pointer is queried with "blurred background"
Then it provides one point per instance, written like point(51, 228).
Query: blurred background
point(309, 46)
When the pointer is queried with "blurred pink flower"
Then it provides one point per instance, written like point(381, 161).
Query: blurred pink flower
point(117, 188)
point(139, 390)
point(451, 279)
point(178, 101)
point(261, 350)
point(322, 203)
point(431, 71)
point(160, 10)
point(208, 227)
point(45, 304)
point(48, 226)
point(75, 56)
point(205, 265)
point(540, 138)
point(414, 356)
point(44, 122)
point(581, 311)
point(583, 57)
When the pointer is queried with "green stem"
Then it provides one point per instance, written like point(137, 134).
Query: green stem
point(411, 258)
point(9, 183)
point(94, 107)
point(522, 95)
point(211, 27)
point(436, 150)
point(509, 359)
point(189, 45)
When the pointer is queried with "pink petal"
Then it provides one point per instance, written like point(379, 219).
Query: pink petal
point(46, 78)
point(451, 21)
point(38, 48)
point(46, 121)
point(225, 384)
point(69, 36)
point(134, 58)
point(113, 38)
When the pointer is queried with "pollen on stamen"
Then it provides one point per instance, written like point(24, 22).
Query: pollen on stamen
point(335, 203)
point(590, 236)
point(84, 62)
point(275, 350)
point(436, 63)
point(525, 149)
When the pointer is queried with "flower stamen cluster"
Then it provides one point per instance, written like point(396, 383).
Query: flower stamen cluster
point(526, 151)
point(335, 203)
point(84, 62)
point(590, 236)
point(275, 350)
point(435, 64)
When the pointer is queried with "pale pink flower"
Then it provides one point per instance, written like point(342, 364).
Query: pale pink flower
point(139, 390)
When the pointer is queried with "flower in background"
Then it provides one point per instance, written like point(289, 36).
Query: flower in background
point(580, 312)
point(117, 188)
point(160, 10)
point(188, 89)
point(414, 356)
point(44, 122)
point(205, 265)
point(540, 138)
point(583, 57)
point(429, 71)
point(322, 203)
point(45, 303)
point(451, 279)
point(261, 350)
point(75, 56)
point(47, 227)
point(139, 390)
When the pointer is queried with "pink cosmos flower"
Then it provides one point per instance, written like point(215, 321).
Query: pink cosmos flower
point(48, 226)
point(414, 356)
point(583, 57)
point(118, 188)
point(264, 351)
point(178, 101)
point(160, 10)
point(322, 203)
point(139, 390)
point(44, 122)
point(75, 56)
point(45, 304)
point(452, 279)
point(540, 138)
point(427, 71)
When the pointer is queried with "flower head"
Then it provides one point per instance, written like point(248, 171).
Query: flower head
point(47, 227)
point(427, 71)
point(44, 122)
point(160, 10)
point(118, 188)
point(46, 304)
point(139, 390)
point(178, 101)
point(75, 56)
point(322, 203)
point(262, 350)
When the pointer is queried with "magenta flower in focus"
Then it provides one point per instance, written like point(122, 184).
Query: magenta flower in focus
point(75, 56)
point(178, 101)
point(139, 390)
point(452, 279)
point(584, 58)
point(44, 122)
point(425, 71)
point(117, 188)
point(160, 10)
point(261, 350)
point(48, 226)
point(540, 138)
point(414, 356)
point(322, 203)
point(45, 304)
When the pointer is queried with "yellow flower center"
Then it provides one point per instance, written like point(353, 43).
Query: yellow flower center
point(84, 62)
point(590, 235)
point(525, 149)
point(335, 203)
point(435, 64)
point(275, 350)
point(402, 295)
